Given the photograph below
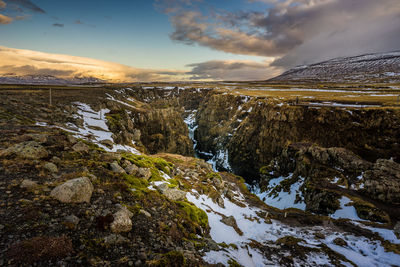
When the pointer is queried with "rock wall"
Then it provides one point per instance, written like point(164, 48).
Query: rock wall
point(255, 131)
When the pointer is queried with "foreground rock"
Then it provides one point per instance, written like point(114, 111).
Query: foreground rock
point(172, 194)
point(122, 221)
point(74, 191)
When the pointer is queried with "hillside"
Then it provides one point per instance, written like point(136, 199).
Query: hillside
point(381, 67)
point(107, 176)
point(45, 80)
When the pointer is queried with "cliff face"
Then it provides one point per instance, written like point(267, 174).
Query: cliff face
point(255, 131)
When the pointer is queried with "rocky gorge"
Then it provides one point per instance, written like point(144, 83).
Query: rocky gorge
point(107, 176)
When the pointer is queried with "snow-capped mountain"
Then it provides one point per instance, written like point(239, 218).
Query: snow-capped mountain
point(381, 67)
point(45, 79)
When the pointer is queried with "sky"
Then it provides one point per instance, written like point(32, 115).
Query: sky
point(168, 40)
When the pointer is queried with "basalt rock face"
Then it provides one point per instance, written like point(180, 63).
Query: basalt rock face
point(256, 131)
point(155, 127)
point(163, 130)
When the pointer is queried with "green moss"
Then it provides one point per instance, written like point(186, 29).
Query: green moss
point(114, 120)
point(264, 170)
point(224, 245)
point(92, 146)
point(213, 175)
point(173, 183)
point(195, 214)
point(135, 209)
point(134, 182)
point(154, 164)
point(172, 259)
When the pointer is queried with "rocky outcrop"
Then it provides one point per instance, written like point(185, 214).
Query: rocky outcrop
point(74, 191)
point(382, 181)
point(155, 129)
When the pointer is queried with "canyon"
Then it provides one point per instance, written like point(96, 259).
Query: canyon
point(224, 173)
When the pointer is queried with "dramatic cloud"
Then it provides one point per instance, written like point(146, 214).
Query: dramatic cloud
point(295, 31)
point(28, 5)
point(5, 19)
point(58, 25)
point(232, 70)
point(2, 4)
point(27, 62)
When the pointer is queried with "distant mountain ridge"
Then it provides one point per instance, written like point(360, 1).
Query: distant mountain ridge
point(46, 79)
point(379, 67)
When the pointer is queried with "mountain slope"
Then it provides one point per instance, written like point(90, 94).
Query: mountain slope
point(381, 67)
point(46, 79)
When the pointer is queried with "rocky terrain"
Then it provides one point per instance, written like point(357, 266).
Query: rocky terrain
point(108, 176)
point(381, 67)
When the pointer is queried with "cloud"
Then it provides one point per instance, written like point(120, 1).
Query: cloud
point(58, 25)
point(25, 62)
point(295, 31)
point(5, 19)
point(28, 5)
point(232, 70)
point(2, 4)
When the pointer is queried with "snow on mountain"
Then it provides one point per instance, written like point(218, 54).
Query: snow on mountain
point(381, 67)
point(45, 79)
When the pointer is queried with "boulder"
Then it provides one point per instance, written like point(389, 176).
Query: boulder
point(172, 194)
point(144, 173)
point(26, 150)
point(132, 169)
point(74, 191)
point(50, 167)
point(116, 168)
point(122, 221)
point(80, 147)
point(28, 184)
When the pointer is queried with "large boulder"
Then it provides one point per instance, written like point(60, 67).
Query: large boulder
point(172, 194)
point(144, 173)
point(122, 221)
point(26, 150)
point(74, 191)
